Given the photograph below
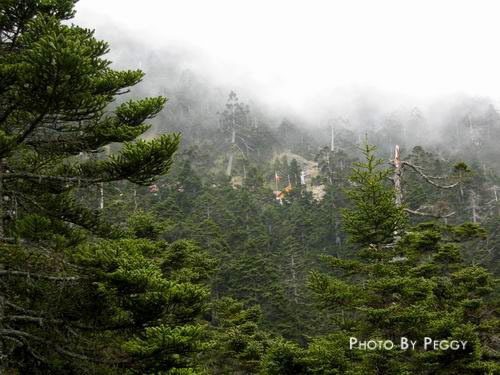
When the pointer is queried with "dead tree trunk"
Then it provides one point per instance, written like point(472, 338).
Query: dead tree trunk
point(107, 151)
point(474, 207)
point(135, 199)
point(397, 176)
point(332, 143)
point(233, 141)
point(495, 188)
point(101, 198)
point(398, 172)
point(461, 188)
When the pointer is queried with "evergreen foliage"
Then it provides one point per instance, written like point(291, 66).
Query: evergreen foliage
point(415, 285)
point(71, 302)
point(375, 218)
point(111, 265)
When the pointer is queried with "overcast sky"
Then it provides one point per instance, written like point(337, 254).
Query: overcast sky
point(293, 51)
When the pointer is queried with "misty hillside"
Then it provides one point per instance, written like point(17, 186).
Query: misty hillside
point(163, 212)
point(455, 127)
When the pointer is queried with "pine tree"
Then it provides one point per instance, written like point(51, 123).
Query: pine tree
point(239, 343)
point(69, 302)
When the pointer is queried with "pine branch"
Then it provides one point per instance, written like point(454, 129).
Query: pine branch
point(31, 128)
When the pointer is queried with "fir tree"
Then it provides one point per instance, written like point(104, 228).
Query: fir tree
point(375, 218)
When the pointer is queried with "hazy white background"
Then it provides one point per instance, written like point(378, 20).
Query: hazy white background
point(296, 52)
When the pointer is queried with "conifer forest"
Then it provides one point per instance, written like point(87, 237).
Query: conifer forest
point(156, 221)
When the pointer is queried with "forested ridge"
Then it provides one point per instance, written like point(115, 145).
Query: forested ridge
point(176, 228)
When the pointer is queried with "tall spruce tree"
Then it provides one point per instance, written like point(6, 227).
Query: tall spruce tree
point(375, 218)
point(70, 303)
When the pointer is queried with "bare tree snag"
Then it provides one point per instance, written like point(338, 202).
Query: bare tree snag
point(332, 143)
point(398, 173)
point(233, 142)
point(474, 207)
point(398, 170)
point(107, 151)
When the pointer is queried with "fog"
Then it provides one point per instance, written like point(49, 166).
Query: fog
point(356, 59)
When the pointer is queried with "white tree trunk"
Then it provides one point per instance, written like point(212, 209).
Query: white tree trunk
point(397, 176)
point(474, 207)
point(107, 152)
point(135, 199)
point(332, 143)
point(101, 199)
point(230, 162)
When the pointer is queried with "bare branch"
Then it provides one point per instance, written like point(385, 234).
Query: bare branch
point(428, 178)
point(31, 176)
point(21, 335)
point(17, 333)
point(37, 276)
point(420, 213)
point(19, 308)
point(33, 319)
